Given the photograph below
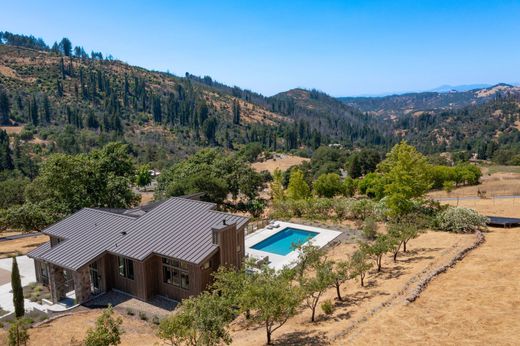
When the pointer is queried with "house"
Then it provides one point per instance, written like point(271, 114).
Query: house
point(167, 248)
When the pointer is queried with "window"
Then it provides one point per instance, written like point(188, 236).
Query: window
point(175, 273)
point(44, 274)
point(126, 267)
point(206, 265)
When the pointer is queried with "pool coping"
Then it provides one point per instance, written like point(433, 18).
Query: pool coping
point(277, 262)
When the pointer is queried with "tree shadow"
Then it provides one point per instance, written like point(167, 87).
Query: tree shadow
point(301, 338)
point(391, 272)
point(413, 259)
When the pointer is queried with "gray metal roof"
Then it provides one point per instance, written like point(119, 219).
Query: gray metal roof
point(178, 228)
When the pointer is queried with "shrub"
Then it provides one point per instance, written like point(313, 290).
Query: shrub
point(362, 209)
point(328, 185)
point(370, 228)
point(448, 186)
point(327, 307)
point(456, 219)
point(130, 312)
point(143, 316)
point(156, 320)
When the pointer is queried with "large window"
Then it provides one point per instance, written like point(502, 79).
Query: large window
point(126, 267)
point(175, 273)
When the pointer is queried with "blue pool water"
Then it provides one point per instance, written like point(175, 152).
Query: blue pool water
point(281, 243)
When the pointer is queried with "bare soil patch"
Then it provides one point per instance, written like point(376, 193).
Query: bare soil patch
point(282, 162)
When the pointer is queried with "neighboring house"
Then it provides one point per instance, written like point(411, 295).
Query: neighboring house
point(167, 248)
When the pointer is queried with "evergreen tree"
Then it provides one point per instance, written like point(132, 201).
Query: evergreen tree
point(46, 109)
point(62, 68)
point(4, 107)
point(66, 46)
point(156, 109)
point(33, 111)
point(6, 161)
point(59, 88)
point(236, 112)
point(16, 284)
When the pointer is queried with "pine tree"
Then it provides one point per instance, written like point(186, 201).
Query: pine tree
point(46, 109)
point(16, 284)
point(236, 112)
point(4, 108)
point(6, 160)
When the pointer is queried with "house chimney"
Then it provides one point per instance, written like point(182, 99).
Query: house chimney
point(224, 222)
point(123, 233)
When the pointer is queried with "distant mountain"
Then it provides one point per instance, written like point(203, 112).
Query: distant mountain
point(397, 105)
point(464, 87)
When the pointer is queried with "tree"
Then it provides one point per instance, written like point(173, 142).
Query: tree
point(349, 187)
point(298, 188)
point(107, 331)
point(341, 273)
point(16, 285)
point(277, 192)
point(316, 282)
point(406, 177)
point(211, 171)
point(328, 185)
point(143, 176)
point(236, 112)
point(271, 299)
point(18, 334)
point(4, 107)
point(6, 160)
point(12, 192)
point(408, 227)
point(200, 320)
point(377, 249)
point(28, 217)
point(101, 178)
point(359, 265)
point(66, 46)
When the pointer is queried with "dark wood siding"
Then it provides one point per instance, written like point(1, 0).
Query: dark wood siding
point(136, 287)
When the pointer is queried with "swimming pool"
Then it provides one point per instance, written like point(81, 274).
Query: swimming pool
point(281, 243)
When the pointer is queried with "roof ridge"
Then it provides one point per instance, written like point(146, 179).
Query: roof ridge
point(108, 213)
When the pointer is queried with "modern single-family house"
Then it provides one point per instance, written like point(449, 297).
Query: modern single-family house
point(167, 248)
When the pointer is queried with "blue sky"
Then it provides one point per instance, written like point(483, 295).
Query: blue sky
point(341, 47)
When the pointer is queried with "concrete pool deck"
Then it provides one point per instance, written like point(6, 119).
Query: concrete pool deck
point(277, 262)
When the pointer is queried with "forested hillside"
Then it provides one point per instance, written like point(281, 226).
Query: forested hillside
point(71, 101)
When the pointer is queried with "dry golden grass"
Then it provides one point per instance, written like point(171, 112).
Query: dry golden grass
point(12, 129)
point(428, 250)
point(21, 246)
point(475, 303)
point(60, 331)
point(501, 183)
point(282, 162)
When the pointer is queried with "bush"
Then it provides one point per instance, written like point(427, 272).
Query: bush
point(370, 228)
point(156, 320)
point(130, 312)
point(328, 185)
point(143, 316)
point(463, 220)
point(327, 307)
point(362, 209)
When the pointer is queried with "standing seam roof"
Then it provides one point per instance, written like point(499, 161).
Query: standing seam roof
point(179, 228)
